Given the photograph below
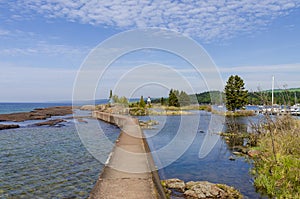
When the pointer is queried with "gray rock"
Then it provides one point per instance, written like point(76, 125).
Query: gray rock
point(204, 189)
point(175, 183)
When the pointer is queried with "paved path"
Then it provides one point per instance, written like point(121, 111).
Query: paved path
point(127, 174)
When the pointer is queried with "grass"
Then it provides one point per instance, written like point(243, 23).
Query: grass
point(277, 167)
point(239, 113)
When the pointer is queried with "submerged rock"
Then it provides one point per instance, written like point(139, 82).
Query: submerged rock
point(50, 122)
point(8, 126)
point(231, 158)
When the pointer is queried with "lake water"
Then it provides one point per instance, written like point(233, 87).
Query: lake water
point(215, 167)
point(47, 162)
point(52, 162)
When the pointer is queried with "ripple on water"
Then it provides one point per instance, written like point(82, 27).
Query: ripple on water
point(47, 162)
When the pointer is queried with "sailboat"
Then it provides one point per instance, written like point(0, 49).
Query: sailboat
point(295, 109)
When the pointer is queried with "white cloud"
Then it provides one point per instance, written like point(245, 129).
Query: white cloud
point(4, 32)
point(261, 76)
point(204, 19)
point(46, 49)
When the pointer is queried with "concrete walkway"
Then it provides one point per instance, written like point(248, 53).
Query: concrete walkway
point(127, 173)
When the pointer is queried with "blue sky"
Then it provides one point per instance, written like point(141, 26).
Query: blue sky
point(44, 43)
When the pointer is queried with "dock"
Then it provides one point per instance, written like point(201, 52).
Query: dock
point(129, 172)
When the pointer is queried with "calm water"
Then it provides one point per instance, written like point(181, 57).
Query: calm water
point(48, 162)
point(215, 167)
point(51, 162)
point(25, 107)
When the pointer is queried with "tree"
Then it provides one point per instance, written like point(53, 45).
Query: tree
point(110, 94)
point(184, 99)
point(142, 102)
point(162, 101)
point(173, 99)
point(235, 92)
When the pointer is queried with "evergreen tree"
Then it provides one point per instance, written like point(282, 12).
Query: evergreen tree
point(162, 101)
point(184, 99)
point(173, 99)
point(235, 92)
point(142, 102)
point(110, 94)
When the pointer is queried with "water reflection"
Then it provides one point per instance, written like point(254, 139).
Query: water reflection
point(215, 167)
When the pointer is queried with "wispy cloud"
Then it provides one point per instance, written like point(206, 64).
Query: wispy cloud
point(46, 49)
point(291, 68)
point(260, 76)
point(4, 32)
point(206, 20)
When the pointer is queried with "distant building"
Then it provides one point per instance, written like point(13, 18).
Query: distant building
point(149, 101)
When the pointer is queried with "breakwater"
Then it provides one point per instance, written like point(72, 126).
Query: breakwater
point(129, 171)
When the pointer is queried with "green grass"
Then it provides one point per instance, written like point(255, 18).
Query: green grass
point(277, 167)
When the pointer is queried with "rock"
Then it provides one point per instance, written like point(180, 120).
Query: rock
point(241, 149)
point(81, 120)
point(190, 194)
point(231, 158)
point(253, 153)
point(201, 189)
point(236, 153)
point(229, 192)
point(204, 189)
point(37, 114)
point(88, 108)
point(50, 122)
point(148, 124)
point(175, 183)
point(8, 126)
point(189, 184)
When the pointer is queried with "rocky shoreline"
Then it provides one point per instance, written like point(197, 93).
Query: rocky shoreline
point(200, 189)
point(36, 114)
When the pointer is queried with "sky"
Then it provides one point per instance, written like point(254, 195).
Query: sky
point(44, 44)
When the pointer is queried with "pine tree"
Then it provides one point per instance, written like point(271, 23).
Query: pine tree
point(142, 102)
point(173, 99)
point(184, 99)
point(235, 92)
point(162, 101)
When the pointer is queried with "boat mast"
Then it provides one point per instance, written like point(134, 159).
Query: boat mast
point(273, 78)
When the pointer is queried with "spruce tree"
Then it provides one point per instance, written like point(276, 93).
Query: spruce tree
point(142, 102)
point(173, 99)
point(235, 92)
point(184, 99)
